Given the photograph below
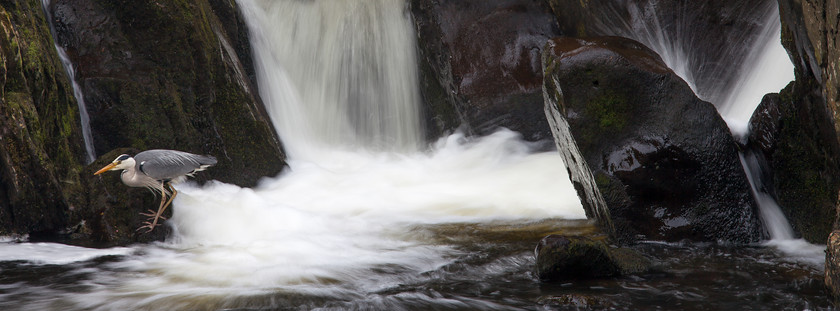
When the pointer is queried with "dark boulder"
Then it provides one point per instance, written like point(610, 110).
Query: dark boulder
point(168, 74)
point(480, 64)
point(664, 161)
point(560, 258)
point(792, 137)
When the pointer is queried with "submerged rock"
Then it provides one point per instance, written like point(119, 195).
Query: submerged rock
point(561, 258)
point(480, 64)
point(664, 160)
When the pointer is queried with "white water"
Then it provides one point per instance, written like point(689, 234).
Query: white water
point(360, 223)
point(341, 222)
point(337, 73)
point(768, 70)
point(357, 209)
point(77, 89)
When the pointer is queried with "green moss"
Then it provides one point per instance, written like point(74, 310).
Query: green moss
point(609, 110)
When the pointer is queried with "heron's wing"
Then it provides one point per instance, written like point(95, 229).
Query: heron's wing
point(164, 164)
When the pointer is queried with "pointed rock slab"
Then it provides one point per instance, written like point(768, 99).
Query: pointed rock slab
point(664, 160)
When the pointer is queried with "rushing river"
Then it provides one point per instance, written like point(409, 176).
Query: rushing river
point(366, 217)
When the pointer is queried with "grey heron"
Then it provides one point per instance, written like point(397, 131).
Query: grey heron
point(156, 170)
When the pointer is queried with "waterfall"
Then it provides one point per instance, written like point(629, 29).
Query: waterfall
point(766, 68)
point(771, 214)
point(337, 73)
point(735, 88)
point(77, 89)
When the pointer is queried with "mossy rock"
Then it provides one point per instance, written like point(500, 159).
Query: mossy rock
point(560, 258)
point(41, 147)
point(168, 75)
point(793, 136)
point(663, 160)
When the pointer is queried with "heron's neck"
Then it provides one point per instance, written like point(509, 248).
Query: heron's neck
point(132, 179)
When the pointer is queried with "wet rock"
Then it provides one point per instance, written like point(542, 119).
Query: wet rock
point(794, 140)
point(561, 258)
point(832, 258)
point(579, 173)
point(809, 33)
point(664, 160)
point(40, 140)
point(168, 74)
point(480, 64)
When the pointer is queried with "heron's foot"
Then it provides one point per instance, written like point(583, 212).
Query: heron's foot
point(152, 222)
point(152, 214)
point(149, 226)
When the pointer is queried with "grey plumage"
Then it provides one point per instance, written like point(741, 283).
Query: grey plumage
point(171, 165)
point(156, 170)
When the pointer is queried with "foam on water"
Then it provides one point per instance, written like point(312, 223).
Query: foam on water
point(339, 228)
point(53, 253)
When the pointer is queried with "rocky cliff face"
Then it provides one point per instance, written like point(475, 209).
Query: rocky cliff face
point(167, 74)
point(811, 29)
point(159, 74)
point(40, 139)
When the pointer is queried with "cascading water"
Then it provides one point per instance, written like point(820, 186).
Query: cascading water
point(766, 69)
point(735, 88)
point(337, 73)
point(77, 89)
point(362, 210)
point(364, 219)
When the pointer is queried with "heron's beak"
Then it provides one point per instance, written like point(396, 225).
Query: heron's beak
point(106, 168)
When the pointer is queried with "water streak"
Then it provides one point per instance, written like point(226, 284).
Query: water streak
point(77, 89)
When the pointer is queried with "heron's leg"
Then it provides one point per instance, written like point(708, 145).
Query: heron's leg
point(152, 223)
point(171, 197)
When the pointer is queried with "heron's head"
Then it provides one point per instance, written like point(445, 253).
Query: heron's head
point(122, 162)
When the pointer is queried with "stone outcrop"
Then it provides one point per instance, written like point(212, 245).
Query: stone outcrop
point(159, 74)
point(40, 139)
point(167, 74)
point(793, 140)
point(664, 160)
point(810, 33)
point(480, 64)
